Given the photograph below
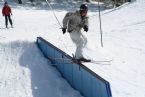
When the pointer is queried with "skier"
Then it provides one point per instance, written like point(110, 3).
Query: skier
point(6, 11)
point(74, 22)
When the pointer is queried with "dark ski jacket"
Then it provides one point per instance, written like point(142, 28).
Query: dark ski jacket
point(6, 10)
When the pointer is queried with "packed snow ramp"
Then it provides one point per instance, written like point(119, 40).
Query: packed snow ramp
point(79, 76)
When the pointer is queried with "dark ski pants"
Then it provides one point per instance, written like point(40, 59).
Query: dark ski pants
point(8, 17)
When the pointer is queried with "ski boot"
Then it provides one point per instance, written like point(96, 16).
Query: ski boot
point(84, 60)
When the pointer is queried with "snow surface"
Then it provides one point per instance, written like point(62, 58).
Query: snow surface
point(26, 73)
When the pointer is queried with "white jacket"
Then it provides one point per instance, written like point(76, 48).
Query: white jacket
point(73, 21)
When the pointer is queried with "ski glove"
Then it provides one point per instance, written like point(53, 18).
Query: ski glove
point(63, 30)
point(86, 28)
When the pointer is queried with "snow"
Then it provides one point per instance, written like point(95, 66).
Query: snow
point(26, 73)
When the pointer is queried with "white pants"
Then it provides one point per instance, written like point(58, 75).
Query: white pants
point(80, 41)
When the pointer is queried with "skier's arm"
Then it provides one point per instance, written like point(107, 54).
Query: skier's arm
point(86, 25)
point(66, 19)
point(87, 21)
point(10, 10)
point(3, 11)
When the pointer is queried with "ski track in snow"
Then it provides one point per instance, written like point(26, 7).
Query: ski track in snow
point(11, 73)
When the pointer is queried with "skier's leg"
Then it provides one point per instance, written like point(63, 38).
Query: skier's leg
point(10, 20)
point(84, 40)
point(79, 42)
point(80, 46)
point(6, 21)
point(79, 49)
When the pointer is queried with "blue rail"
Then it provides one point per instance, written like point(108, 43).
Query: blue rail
point(79, 76)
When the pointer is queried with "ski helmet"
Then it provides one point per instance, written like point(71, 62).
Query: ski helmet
point(84, 7)
point(6, 2)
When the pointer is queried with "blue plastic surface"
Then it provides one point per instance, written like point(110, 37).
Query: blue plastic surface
point(80, 77)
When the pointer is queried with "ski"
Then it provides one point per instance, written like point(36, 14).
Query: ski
point(73, 60)
point(103, 62)
point(91, 61)
point(99, 62)
point(79, 61)
point(107, 61)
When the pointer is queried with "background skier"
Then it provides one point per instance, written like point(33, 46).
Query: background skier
point(6, 11)
point(74, 22)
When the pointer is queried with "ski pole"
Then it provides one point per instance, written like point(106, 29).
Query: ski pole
point(100, 24)
point(53, 13)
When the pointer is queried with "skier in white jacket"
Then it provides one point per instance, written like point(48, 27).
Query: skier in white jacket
point(74, 22)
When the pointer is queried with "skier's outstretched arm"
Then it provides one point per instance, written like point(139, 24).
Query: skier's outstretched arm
point(65, 22)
